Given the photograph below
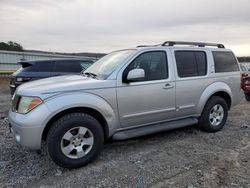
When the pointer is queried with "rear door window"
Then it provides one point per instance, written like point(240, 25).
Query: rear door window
point(191, 63)
point(225, 62)
point(67, 66)
point(42, 67)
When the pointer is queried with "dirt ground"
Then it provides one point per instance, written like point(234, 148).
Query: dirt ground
point(181, 158)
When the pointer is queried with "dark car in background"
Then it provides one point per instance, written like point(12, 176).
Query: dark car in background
point(246, 87)
point(245, 80)
point(38, 69)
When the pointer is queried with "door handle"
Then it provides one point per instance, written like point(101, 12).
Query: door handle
point(168, 86)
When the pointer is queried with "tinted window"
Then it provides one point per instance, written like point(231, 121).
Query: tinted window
point(67, 66)
point(201, 61)
point(191, 63)
point(42, 67)
point(225, 62)
point(153, 63)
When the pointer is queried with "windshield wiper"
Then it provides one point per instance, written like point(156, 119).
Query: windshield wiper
point(90, 74)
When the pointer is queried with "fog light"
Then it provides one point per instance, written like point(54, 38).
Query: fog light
point(18, 138)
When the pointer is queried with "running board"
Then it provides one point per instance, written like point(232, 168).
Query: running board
point(150, 129)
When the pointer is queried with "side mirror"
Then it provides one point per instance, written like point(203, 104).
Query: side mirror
point(135, 75)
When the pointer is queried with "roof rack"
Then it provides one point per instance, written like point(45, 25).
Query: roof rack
point(199, 44)
point(141, 46)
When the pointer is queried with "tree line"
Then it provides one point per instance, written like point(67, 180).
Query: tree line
point(14, 46)
point(11, 46)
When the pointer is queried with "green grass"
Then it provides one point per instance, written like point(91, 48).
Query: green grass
point(7, 71)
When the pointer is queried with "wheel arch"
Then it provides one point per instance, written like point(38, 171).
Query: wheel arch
point(90, 111)
point(219, 89)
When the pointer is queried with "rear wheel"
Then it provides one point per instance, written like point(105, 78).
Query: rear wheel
point(247, 96)
point(214, 115)
point(74, 140)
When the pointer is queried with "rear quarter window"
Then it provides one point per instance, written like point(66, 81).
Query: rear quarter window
point(225, 62)
point(26, 67)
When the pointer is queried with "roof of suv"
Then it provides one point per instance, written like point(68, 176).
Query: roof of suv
point(57, 59)
point(188, 45)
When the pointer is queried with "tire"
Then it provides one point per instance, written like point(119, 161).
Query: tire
point(247, 97)
point(211, 120)
point(74, 140)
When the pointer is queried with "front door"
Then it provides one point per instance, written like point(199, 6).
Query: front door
point(151, 99)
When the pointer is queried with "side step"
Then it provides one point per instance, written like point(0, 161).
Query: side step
point(150, 129)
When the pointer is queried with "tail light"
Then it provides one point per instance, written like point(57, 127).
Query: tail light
point(23, 79)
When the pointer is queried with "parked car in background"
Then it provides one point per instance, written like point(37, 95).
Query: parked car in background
point(247, 65)
point(38, 69)
point(243, 74)
point(244, 69)
point(245, 80)
point(246, 87)
point(126, 94)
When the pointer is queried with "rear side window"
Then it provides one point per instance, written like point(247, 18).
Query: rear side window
point(225, 62)
point(68, 66)
point(191, 63)
point(42, 67)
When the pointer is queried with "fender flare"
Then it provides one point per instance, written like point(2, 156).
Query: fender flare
point(62, 102)
point(211, 90)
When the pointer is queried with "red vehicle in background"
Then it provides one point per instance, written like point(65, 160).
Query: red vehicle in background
point(245, 81)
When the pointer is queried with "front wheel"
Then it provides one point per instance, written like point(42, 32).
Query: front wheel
point(74, 140)
point(214, 115)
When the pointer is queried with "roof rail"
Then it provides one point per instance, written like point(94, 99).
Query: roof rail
point(141, 46)
point(199, 44)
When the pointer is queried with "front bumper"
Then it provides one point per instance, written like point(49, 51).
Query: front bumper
point(27, 129)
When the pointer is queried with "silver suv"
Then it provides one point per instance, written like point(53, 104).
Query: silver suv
point(127, 93)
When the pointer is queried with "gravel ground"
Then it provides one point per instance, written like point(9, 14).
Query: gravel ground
point(181, 158)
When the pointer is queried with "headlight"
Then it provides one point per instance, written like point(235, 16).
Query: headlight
point(27, 104)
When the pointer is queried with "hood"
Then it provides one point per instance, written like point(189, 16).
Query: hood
point(61, 84)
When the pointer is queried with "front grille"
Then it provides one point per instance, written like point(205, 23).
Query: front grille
point(15, 102)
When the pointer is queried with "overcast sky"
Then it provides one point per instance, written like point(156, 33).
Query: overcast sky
point(107, 25)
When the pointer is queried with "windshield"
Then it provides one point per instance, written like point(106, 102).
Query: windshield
point(106, 65)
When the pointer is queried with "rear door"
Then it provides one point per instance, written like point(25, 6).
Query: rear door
point(191, 79)
point(42, 70)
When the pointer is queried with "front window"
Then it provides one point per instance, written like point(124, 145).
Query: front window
point(153, 63)
point(106, 65)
